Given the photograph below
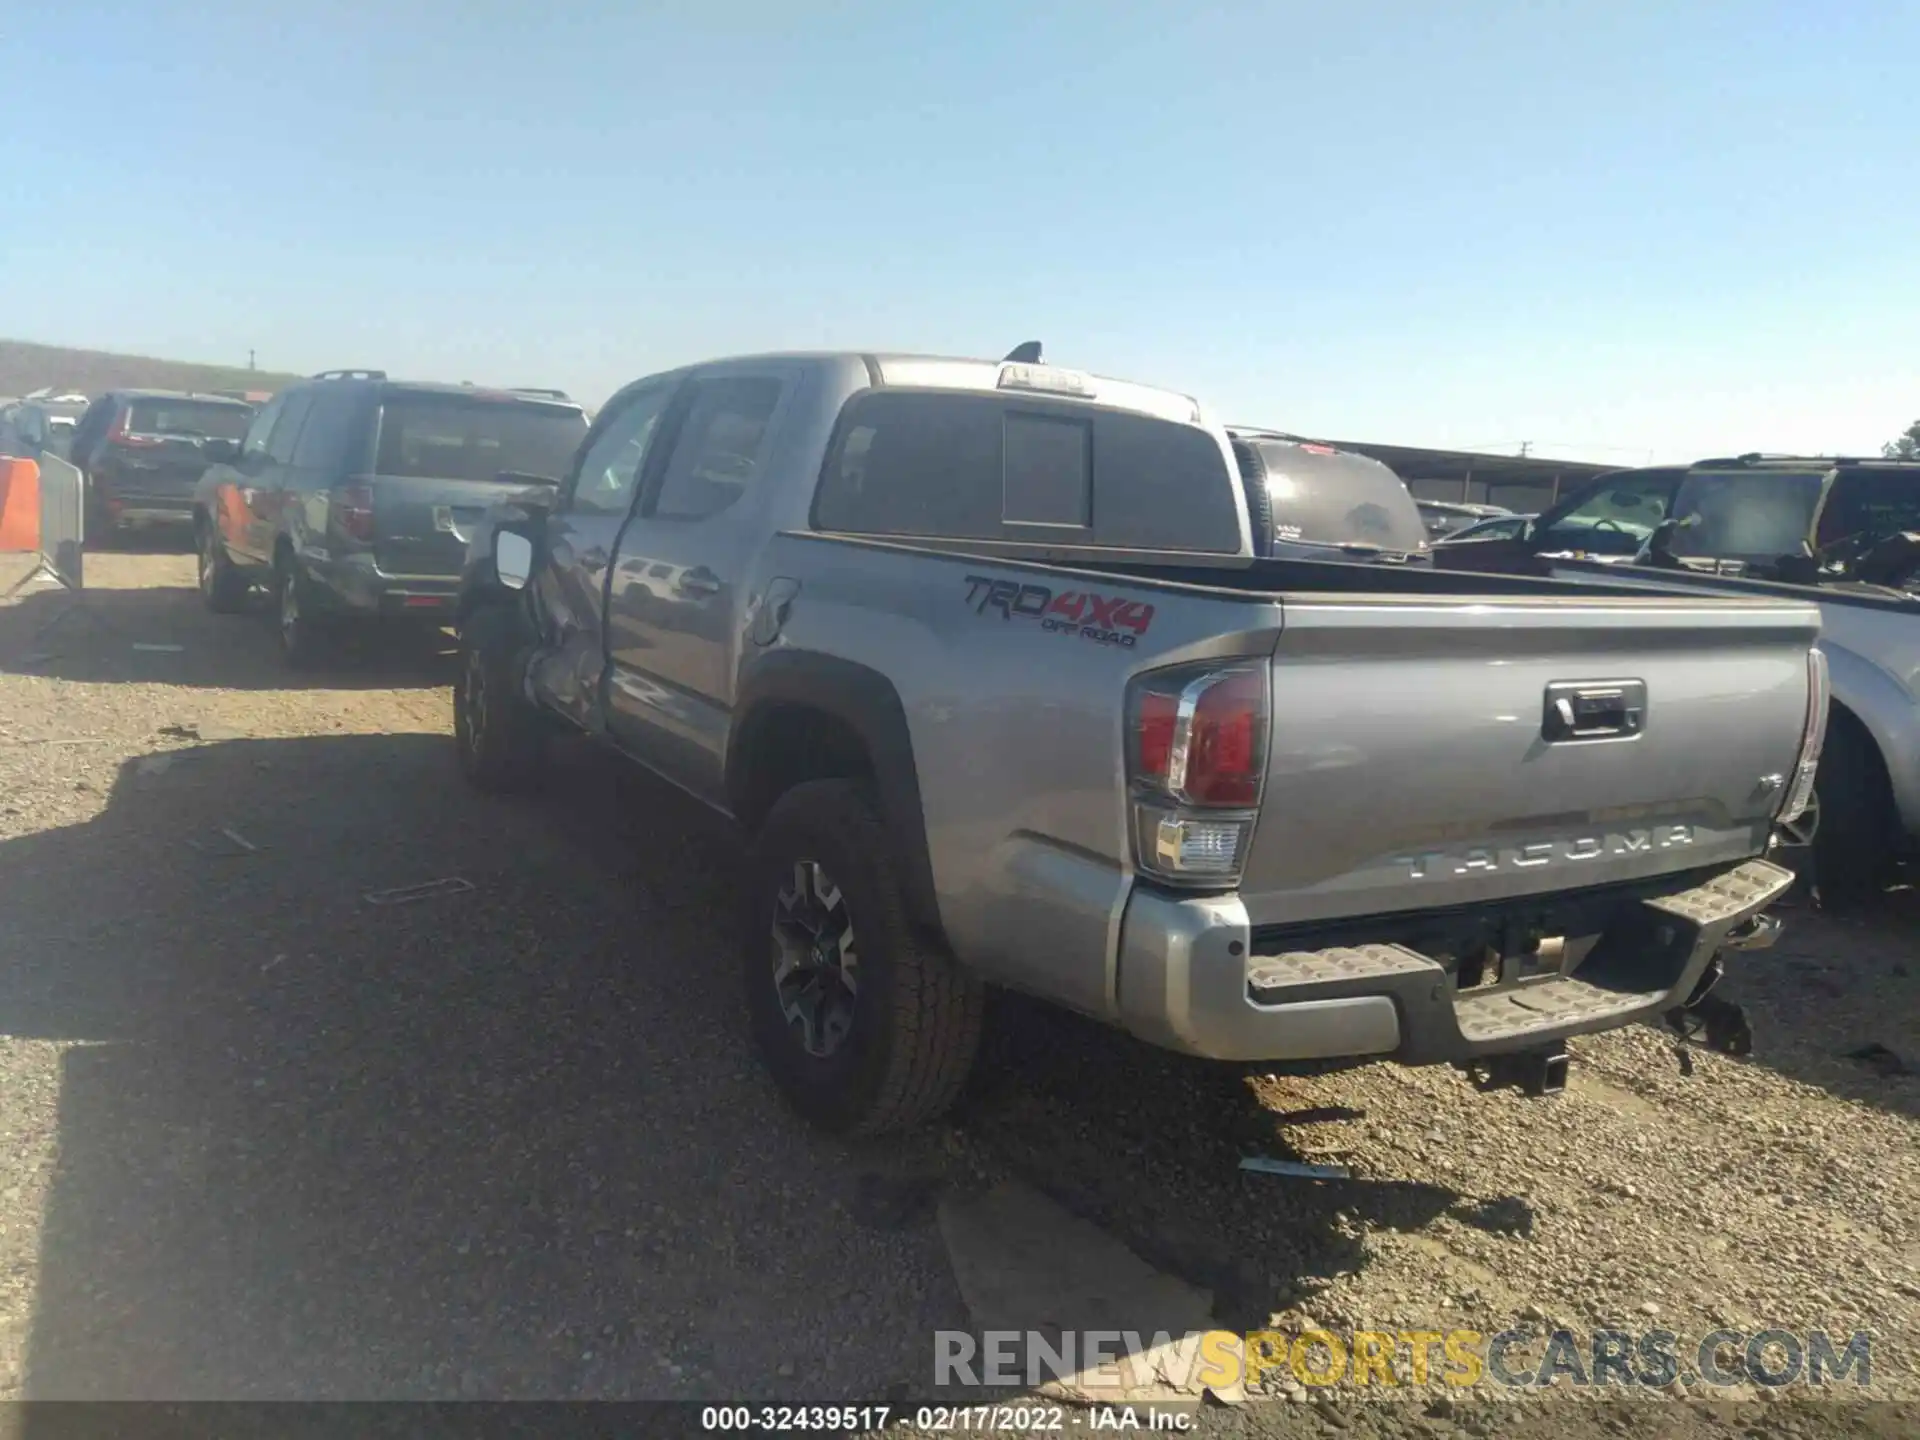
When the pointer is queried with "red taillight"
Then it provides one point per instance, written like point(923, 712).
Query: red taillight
point(1196, 758)
point(1223, 746)
point(1155, 717)
point(117, 435)
point(1199, 734)
point(353, 511)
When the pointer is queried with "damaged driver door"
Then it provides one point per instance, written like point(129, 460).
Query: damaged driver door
point(581, 533)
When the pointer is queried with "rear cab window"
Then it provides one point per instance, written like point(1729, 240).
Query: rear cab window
point(940, 464)
point(427, 435)
point(203, 419)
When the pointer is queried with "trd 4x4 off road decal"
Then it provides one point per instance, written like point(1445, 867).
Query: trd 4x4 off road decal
point(1104, 619)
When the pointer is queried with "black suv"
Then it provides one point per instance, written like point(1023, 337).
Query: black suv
point(353, 496)
point(142, 451)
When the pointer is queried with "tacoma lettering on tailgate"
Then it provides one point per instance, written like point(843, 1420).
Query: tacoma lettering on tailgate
point(1086, 614)
point(1545, 852)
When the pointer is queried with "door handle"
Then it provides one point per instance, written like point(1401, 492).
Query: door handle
point(698, 581)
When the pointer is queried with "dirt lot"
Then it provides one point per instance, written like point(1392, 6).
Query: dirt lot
point(260, 1138)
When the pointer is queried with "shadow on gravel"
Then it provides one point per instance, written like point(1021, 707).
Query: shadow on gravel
point(146, 540)
point(1836, 1002)
point(511, 1142)
point(1147, 1144)
point(506, 1143)
point(163, 634)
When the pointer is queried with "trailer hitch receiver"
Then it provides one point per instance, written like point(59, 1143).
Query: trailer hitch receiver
point(1537, 1073)
point(1706, 1019)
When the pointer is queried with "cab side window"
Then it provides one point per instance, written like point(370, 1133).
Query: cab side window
point(93, 424)
point(255, 444)
point(322, 442)
point(719, 447)
point(286, 433)
point(610, 470)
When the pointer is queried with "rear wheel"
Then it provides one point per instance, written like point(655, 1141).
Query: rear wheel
point(501, 734)
point(302, 628)
point(222, 587)
point(867, 1026)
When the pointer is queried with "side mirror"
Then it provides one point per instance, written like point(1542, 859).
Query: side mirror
point(512, 558)
point(221, 451)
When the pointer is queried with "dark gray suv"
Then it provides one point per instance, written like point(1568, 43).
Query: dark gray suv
point(352, 496)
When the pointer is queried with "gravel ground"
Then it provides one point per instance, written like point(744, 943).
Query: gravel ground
point(263, 1139)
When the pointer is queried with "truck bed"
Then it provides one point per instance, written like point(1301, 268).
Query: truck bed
point(1412, 761)
point(1274, 579)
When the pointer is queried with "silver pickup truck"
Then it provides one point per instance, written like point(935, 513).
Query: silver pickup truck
point(988, 663)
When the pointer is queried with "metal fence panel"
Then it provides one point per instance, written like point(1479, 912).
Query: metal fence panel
point(63, 519)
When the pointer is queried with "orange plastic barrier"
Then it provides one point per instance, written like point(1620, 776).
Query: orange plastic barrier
point(19, 505)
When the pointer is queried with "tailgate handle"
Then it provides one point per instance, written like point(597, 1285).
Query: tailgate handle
point(1594, 710)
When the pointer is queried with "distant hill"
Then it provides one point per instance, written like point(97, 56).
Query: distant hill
point(25, 366)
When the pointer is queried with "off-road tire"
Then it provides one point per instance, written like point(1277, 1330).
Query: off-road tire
point(1853, 848)
point(223, 588)
point(916, 1024)
point(502, 742)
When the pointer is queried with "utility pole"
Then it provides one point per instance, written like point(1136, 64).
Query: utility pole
point(1525, 445)
point(250, 364)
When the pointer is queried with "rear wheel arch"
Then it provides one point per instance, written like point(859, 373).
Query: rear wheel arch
point(1853, 844)
point(1846, 728)
point(803, 716)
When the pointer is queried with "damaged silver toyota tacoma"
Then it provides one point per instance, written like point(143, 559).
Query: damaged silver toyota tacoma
point(1011, 675)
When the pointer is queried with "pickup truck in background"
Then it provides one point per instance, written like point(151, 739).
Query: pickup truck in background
point(985, 661)
point(1308, 501)
point(1840, 534)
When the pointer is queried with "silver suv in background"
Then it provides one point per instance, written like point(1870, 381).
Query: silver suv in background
point(351, 497)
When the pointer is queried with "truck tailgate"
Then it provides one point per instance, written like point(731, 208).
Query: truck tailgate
point(1434, 753)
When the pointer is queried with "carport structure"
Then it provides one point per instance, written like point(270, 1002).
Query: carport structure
point(1521, 483)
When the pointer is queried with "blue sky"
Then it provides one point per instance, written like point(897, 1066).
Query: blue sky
point(1612, 229)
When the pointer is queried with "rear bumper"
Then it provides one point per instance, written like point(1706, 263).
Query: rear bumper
point(1190, 980)
point(149, 512)
point(357, 587)
point(128, 502)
